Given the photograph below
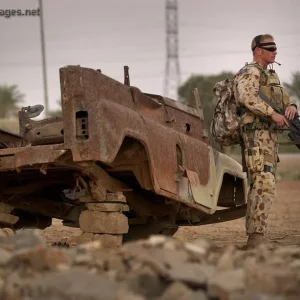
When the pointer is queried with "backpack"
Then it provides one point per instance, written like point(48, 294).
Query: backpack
point(226, 120)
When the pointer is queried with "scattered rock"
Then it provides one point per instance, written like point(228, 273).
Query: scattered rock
point(145, 282)
point(103, 222)
point(109, 240)
point(5, 257)
point(226, 262)
point(72, 284)
point(159, 268)
point(191, 274)
point(178, 290)
point(225, 283)
point(7, 232)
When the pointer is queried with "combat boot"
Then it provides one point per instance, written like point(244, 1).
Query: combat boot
point(255, 239)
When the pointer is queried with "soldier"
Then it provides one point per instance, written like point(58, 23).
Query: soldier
point(260, 146)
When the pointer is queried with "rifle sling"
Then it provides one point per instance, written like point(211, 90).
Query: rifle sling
point(263, 97)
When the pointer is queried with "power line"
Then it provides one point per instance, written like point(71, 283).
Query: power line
point(172, 71)
point(151, 57)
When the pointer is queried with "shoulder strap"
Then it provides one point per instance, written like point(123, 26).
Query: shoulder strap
point(266, 100)
point(257, 65)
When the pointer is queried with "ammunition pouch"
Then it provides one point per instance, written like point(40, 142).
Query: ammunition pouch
point(258, 124)
point(257, 161)
point(254, 158)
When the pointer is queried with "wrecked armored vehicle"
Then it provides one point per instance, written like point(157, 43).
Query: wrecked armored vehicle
point(118, 162)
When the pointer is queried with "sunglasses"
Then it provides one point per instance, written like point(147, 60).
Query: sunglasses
point(270, 49)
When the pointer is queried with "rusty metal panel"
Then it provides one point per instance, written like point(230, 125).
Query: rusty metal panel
point(38, 155)
point(115, 111)
point(27, 156)
point(9, 140)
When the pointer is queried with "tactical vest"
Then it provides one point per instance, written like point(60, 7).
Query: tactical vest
point(270, 86)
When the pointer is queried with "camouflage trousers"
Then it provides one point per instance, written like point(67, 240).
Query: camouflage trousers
point(261, 154)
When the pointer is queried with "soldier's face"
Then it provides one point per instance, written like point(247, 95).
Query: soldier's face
point(268, 53)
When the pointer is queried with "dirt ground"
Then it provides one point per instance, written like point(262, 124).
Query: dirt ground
point(284, 218)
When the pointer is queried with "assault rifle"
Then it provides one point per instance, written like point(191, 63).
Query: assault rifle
point(294, 125)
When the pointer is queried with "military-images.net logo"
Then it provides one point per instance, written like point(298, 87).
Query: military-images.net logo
point(8, 13)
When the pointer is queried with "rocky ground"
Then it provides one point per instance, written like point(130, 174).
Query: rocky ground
point(205, 262)
point(159, 268)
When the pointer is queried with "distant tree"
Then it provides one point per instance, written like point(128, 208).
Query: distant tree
point(294, 88)
point(205, 85)
point(10, 97)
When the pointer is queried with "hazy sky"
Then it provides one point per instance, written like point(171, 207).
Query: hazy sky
point(214, 35)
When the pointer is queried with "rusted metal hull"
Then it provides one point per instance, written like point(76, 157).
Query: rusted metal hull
point(123, 139)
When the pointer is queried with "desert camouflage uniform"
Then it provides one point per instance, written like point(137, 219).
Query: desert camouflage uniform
point(261, 149)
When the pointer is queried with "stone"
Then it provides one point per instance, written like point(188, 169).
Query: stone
point(86, 199)
point(12, 288)
point(295, 264)
point(179, 291)
point(288, 251)
point(250, 295)
point(272, 279)
point(226, 262)
point(8, 231)
point(136, 254)
point(83, 259)
point(125, 294)
point(5, 208)
point(85, 237)
point(118, 197)
point(21, 240)
point(198, 250)
point(170, 259)
point(156, 240)
point(103, 222)
point(4, 232)
point(145, 282)
point(116, 263)
point(109, 240)
point(276, 260)
point(99, 195)
point(98, 191)
point(91, 246)
point(109, 207)
point(5, 257)
point(8, 219)
point(170, 245)
point(190, 273)
point(200, 295)
point(1, 287)
point(77, 284)
point(43, 258)
point(204, 244)
point(160, 259)
point(224, 283)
